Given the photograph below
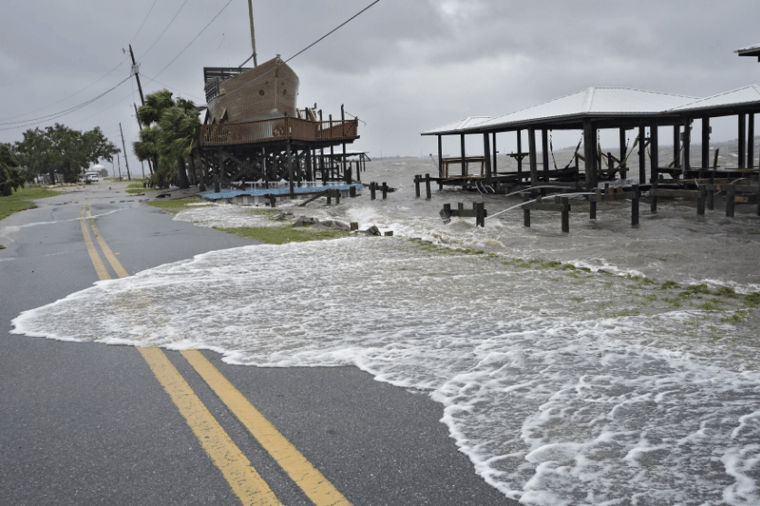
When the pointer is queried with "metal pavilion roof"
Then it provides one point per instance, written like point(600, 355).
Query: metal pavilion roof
point(749, 51)
point(727, 102)
point(458, 125)
point(572, 109)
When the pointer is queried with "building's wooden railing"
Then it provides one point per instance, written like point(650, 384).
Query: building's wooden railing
point(278, 129)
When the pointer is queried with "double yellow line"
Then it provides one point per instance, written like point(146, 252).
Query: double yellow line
point(243, 478)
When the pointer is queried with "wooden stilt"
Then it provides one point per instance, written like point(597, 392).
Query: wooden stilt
point(742, 140)
point(565, 215)
point(532, 156)
point(545, 153)
point(635, 205)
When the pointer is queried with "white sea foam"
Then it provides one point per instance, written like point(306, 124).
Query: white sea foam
point(555, 400)
point(562, 386)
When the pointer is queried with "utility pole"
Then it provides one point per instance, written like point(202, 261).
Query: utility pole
point(253, 36)
point(136, 72)
point(118, 160)
point(150, 164)
point(123, 144)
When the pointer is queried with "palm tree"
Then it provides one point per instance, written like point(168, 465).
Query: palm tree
point(172, 128)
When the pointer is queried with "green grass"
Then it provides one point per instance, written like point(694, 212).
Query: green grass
point(23, 198)
point(752, 299)
point(283, 235)
point(174, 206)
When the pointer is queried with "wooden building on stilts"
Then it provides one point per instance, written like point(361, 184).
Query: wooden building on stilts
point(254, 132)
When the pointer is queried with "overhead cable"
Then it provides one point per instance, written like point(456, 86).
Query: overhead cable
point(64, 99)
point(194, 38)
point(167, 27)
point(332, 31)
point(30, 122)
point(144, 20)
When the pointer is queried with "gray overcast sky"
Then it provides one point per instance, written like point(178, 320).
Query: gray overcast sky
point(403, 66)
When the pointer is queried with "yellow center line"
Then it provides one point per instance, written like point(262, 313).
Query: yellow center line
point(100, 269)
point(120, 271)
point(245, 482)
point(236, 468)
point(300, 470)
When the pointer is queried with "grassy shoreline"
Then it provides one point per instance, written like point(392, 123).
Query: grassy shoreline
point(268, 235)
point(23, 198)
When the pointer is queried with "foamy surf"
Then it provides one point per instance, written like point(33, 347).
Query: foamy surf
point(562, 386)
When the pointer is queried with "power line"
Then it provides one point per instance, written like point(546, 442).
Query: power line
point(194, 38)
point(313, 43)
point(167, 27)
point(167, 86)
point(332, 31)
point(30, 122)
point(144, 20)
point(64, 99)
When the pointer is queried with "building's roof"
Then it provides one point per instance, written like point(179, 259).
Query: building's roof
point(458, 125)
point(613, 105)
point(728, 100)
point(749, 51)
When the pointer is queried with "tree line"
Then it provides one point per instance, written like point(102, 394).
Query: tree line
point(169, 130)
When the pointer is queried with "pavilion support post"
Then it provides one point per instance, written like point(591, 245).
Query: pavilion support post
point(621, 140)
point(677, 146)
point(705, 143)
point(440, 156)
point(532, 156)
point(655, 162)
point(742, 140)
point(493, 164)
point(519, 151)
point(642, 153)
point(750, 141)
point(462, 151)
point(545, 153)
point(464, 162)
point(589, 152)
point(487, 156)
point(686, 145)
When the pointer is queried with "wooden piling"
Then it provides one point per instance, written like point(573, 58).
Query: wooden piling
point(480, 214)
point(565, 214)
point(372, 189)
point(730, 204)
point(635, 205)
point(701, 201)
point(428, 194)
point(417, 186)
point(526, 216)
point(711, 194)
point(653, 207)
point(385, 190)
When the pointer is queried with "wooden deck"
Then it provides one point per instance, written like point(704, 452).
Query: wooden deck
point(279, 129)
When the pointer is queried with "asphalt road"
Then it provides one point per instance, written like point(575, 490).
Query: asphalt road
point(92, 424)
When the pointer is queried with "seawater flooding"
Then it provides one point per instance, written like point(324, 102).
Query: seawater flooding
point(572, 368)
